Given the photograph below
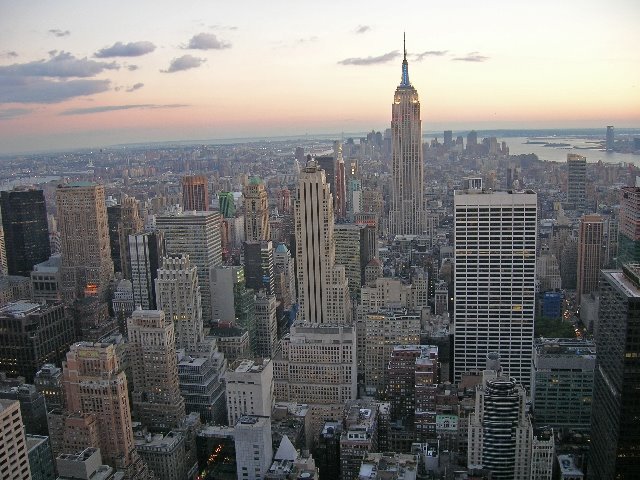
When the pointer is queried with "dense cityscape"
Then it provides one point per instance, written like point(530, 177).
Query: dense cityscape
point(389, 305)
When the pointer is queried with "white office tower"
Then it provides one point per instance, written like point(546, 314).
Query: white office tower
point(254, 451)
point(500, 434)
point(495, 277)
point(407, 214)
point(266, 341)
point(249, 388)
point(317, 365)
point(196, 234)
point(178, 295)
point(315, 248)
point(201, 366)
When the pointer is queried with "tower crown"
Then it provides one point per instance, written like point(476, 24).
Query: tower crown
point(405, 66)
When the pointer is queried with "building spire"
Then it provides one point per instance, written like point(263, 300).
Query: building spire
point(405, 64)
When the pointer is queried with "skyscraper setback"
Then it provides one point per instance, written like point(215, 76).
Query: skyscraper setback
point(407, 214)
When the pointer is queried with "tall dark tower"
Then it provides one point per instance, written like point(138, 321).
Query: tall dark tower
point(615, 429)
point(24, 219)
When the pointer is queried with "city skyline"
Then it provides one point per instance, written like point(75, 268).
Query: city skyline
point(97, 75)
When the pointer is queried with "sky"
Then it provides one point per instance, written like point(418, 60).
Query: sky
point(76, 74)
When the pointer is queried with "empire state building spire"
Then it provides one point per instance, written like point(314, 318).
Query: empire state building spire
point(407, 214)
point(405, 66)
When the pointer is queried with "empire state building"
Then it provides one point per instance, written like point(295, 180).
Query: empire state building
point(407, 215)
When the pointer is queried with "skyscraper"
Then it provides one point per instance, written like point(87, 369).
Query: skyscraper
point(576, 181)
point(196, 234)
point(86, 267)
point(315, 255)
point(266, 344)
point(14, 464)
point(629, 226)
point(340, 194)
point(495, 275)
point(589, 254)
point(256, 211)
point(145, 252)
point(95, 384)
point(614, 427)
point(195, 193)
point(407, 214)
point(157, 403)
point(130, 224)
point(26, 234)
point(258, 265)
point(610, 138)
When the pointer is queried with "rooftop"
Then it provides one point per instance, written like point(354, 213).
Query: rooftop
point(21, 308)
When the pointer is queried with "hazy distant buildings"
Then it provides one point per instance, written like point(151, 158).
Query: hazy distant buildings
point(614, 431)
point(495, 276)
point(195, 193)
point(576, 182)
point(407, 213)
point(610, 141)
point(86, 267)
point(589, 254)
point(26, 234)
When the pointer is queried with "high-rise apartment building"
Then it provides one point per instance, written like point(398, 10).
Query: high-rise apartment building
point(614, 429)
point(195, 193)
point(407, 213)
point(500, 434)
point(576, 182)
point(196, 234)
point(315, 247)
point(31, 335)
point(629, 226)
point(249, 389)
point(157, 403)
point(256, 211)
point(589, 254)
point(145, 253)
point(86, 267)
point(26, 234)
point(495, 275)
point(14, 461)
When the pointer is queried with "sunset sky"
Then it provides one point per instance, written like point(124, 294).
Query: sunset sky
point(96, 73)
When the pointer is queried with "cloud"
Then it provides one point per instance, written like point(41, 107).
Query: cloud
point(185, 62)
point(15, 89)
point(132, 49)
point(472, 57)
point(59, 65)
point(429, 53)
point(206, 41)
point(112, 108)
point(135, 86)
point(11, 113)
point(365, 61)
point(9, 54)
point(59, 33)
point(363, 29)
point(300, 41)
point(222, 27)
point(132, 68)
